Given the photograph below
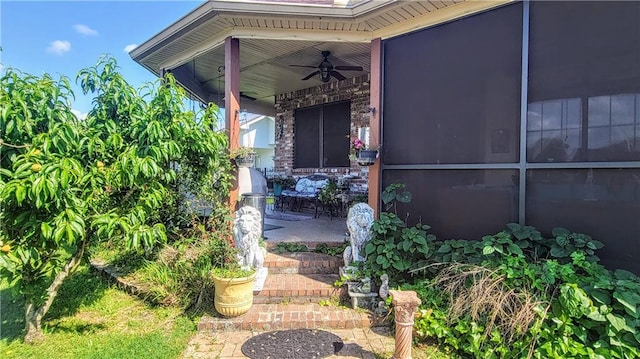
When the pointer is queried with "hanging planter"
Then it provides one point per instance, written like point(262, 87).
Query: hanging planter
point(360, 153)
point(367, 157)
point(246, 161)
point(244, 157)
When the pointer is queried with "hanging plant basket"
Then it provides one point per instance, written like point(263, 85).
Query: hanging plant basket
point(246, 160)
point(367, 157)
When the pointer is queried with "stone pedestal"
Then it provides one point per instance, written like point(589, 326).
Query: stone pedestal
point(405, 305)
point(363, 300)
point(261, 277)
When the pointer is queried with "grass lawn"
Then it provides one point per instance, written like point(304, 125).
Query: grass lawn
point(90, 318)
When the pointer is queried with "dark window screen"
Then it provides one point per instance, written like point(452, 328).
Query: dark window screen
point(335, 135)
point(459, 203)
point(322, 136)
point(452, 92)
point(584, 81)
point(603, 203)
point(307, 137)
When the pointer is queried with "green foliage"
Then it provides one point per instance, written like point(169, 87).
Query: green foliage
point(243, 152)
point(328, 195)
point(180, 274)
point(394, 247)
point(290, 247)
point(331, 250)
point(66, 183)
point(394, 193)
point(588, 310)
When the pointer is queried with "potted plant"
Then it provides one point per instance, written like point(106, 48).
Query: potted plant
point(233, 289)
point(233, 284)
point(282, 182)
point(243, 156)
point(360, 153)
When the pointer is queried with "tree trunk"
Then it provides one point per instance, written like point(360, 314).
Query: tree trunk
point(33, 328)
point(33, 315)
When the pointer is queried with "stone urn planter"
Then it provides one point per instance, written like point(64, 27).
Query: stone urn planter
point(233, 296)
point(246, 161)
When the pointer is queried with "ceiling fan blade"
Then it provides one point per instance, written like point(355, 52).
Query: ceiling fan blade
point(349, 68)
point(338, 75)
point(307, 66)
point(311, 75)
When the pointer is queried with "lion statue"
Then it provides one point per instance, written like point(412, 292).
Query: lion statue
point(359, 222)
point(247, 230)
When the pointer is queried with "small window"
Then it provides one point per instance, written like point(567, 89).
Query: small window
point(322, 136)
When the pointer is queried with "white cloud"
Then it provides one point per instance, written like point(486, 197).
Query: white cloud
point(1, 67)
point(79, 114)
point(59, 47)
point(85, 30)
point(130, 48)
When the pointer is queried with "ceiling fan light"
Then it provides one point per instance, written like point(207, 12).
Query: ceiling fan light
point(325, 74)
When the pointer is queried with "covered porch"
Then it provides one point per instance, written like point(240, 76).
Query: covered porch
point(315, 66)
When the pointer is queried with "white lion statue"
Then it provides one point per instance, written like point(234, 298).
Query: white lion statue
point(359, 221)
point(246, 234)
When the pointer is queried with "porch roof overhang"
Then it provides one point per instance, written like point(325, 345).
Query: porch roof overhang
point(276, 34)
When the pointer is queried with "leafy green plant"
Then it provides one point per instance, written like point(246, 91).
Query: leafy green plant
point(578, 307)
point(328, 195)
point(67, 184)
point(284, 181)
point(290, 247)
point(242, 152)
point(332, 250)
point(394, 247)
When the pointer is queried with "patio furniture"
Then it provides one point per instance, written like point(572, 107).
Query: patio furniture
point(305, 191)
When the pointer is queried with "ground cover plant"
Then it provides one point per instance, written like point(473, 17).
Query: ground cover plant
point(513, 294)
point(121, 175)
point(528, 296)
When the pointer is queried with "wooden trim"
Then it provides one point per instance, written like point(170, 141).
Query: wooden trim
point(375, 102)
point(232, 102)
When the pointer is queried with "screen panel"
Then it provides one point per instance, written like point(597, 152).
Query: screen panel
point(603, 203)
point(336, 123)
point(452, 92)
point(307, 137)
point(584, 81)
point(459, 203)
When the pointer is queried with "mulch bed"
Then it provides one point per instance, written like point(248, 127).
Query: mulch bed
point(295, 343)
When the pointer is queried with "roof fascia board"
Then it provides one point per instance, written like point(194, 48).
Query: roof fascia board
point(273, 34)
point(449, 13)
point(211, 9)
point(177, 29)
point(298, 9)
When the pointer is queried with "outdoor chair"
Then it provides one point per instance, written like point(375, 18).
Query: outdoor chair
point(305, 191)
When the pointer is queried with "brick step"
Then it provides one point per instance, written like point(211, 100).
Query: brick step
point(294, 316)
point(297, 288)
point(302, 262)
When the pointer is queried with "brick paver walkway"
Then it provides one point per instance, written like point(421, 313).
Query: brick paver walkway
point(358, 343)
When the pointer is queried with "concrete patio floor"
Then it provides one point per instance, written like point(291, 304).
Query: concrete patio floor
point(322, 229)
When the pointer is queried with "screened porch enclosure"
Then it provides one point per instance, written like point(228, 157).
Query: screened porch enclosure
point(526, 113)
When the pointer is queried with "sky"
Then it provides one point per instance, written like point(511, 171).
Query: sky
point(63, 37)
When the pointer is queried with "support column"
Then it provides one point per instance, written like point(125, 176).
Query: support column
point(375, 134)
point(232, 102)
point(405, 305)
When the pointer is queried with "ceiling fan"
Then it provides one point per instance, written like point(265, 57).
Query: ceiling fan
point(326, 69)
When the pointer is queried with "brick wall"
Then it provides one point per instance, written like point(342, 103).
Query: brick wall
point(354, 89)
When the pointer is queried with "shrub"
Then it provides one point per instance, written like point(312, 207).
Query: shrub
point(66, 184)
point(527, 296)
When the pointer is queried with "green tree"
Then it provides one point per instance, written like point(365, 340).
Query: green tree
point(66, 183)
